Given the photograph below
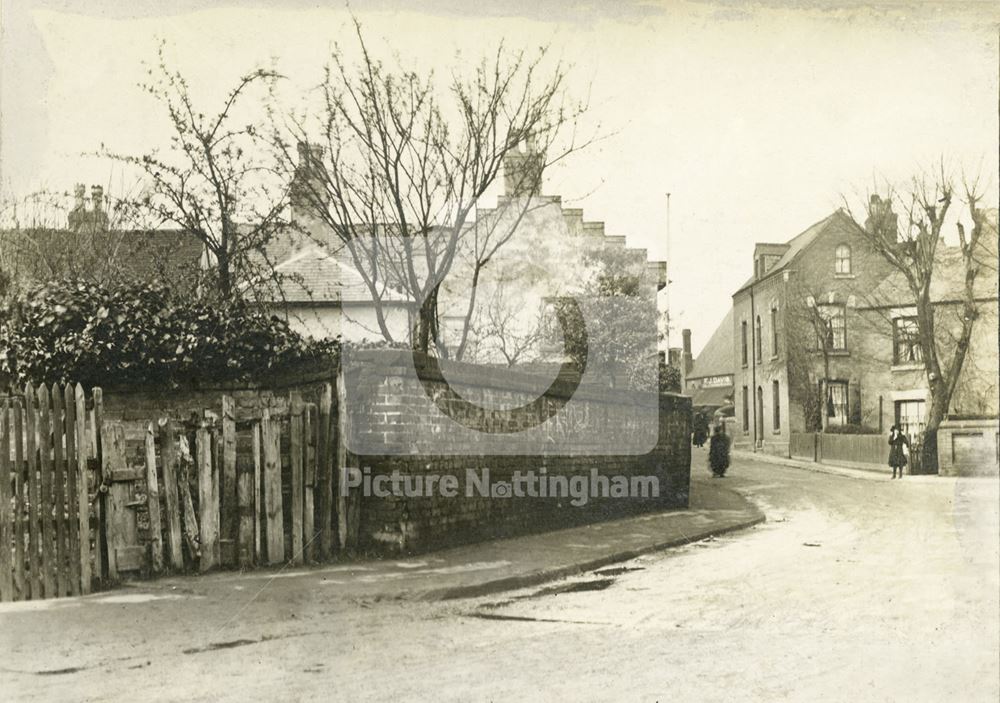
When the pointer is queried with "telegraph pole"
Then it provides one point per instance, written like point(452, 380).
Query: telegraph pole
point(667, 287)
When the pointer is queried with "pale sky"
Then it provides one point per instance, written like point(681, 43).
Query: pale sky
point(755, 116)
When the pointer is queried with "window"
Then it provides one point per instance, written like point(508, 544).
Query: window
point(910, 418)
point(758, 340)
point(746, 411)
point(776, 401)
point(743, 338)
point(774, 332)
point(832, 332)
point(905, 341)
point(835, 401)
point(842, 259)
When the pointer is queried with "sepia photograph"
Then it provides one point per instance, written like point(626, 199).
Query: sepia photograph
point(452, 350)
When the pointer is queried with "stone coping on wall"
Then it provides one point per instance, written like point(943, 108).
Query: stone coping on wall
point(460, 373)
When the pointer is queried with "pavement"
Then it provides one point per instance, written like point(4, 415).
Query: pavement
point(851, 590)
point(872, 473)
point(485, 567)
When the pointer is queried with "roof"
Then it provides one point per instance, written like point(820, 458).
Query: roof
point(173, 256)
point(799, 242)
point(716, 397)
point(948, 279)
point(313, 275)
point(716, 358)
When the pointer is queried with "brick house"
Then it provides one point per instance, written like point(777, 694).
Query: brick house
point(824, 335)
point(801, 299)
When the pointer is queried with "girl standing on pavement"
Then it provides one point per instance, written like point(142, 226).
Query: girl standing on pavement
point(897, 455)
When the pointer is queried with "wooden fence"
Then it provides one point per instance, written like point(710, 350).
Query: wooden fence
point(869, 450)
point(230, 491)
point(89, 502)
point(48, 437)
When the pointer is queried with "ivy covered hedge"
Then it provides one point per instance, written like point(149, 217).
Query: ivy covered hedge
point(136, 333)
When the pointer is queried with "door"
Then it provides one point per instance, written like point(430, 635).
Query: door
point(910, 420)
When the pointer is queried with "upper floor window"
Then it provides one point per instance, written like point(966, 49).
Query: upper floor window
point(832, 330)
point(758, 340)
point(905, 341)
point(743, 340)
point(774, 331)
point(842, 259)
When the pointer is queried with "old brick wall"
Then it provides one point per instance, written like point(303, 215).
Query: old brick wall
point(406, 524)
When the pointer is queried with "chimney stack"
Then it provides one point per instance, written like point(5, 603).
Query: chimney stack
point(97, 198)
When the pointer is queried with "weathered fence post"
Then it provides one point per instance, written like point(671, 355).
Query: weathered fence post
point(208, 504)
point(83, 489)
point(34, 493)
point(309, 480)
point(228, 499)
point(153, 502)
point(6, 517)
point(21, 526)
point(59, 489)
point(257, 477)
point(324, 502)
point(168, 458)
point(72, 486)
point(296, 446)
point(48, 520)
point(272, 489)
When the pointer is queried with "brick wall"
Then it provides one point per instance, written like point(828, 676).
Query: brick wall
point(406, 524)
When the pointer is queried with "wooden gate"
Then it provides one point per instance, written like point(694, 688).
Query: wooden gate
point(48, 517)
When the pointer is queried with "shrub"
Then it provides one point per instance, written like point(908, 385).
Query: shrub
point(72, 330)
point(851, 429)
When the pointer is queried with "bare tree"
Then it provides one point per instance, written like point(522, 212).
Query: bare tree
point(501, 331)
point(217, 180)
point(913, 248)
point(401, 162)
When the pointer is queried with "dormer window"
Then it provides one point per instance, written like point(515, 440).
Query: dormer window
point(842, 259)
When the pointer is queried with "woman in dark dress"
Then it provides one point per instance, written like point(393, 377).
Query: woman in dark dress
point(718, 452)
point(897, 456)
point(700, 430)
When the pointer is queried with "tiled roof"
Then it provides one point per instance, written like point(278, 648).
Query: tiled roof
point(716, 358)
point(948, 280)
point(313, 275)
point(802, 240)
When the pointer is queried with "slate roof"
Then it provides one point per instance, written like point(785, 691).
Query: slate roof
point(800, 241)
point(948, 281)
point(314, 275)
point(716, 358)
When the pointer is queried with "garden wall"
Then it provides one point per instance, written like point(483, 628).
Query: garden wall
point(416, 442)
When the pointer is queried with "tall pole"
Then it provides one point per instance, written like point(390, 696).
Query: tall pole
point(667, 271)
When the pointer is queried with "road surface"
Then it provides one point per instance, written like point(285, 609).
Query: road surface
point(854, 590)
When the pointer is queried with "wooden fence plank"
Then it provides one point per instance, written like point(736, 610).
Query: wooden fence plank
point(185, 465)
point(153, 502)
point(21, 528)
point(270, 437)
point(48, 563)
point(257, 477)
point(296, 448)
point(72, 502)
point(208, 506)
point(168, 457)
point(324, 499)
point(117, 515)
point(309, 480)
point(6, 514)
point(34, 494)
point(58, 425)
point(82, 488)
point(100, 498)
point(229, 504)
point(245, 506)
